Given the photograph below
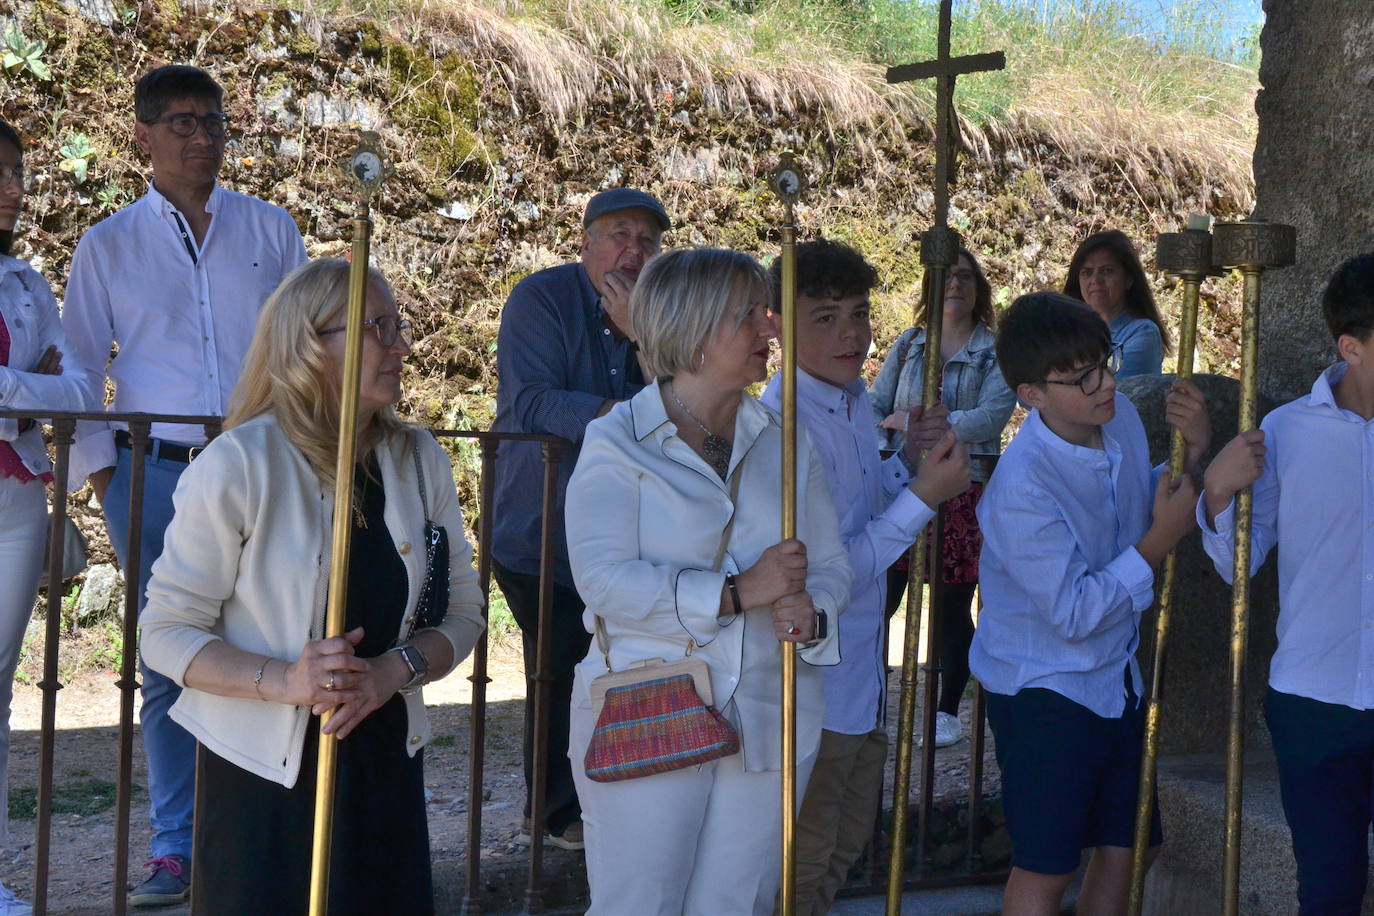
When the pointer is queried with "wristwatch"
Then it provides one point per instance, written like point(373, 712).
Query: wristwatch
point(417, 663)
point(822, 628)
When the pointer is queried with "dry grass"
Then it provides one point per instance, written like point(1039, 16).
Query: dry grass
point(1080, 80)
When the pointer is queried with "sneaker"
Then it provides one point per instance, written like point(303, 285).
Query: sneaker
point(570, 838)
point(947, 729)
point(11, 905)
point(169, 883)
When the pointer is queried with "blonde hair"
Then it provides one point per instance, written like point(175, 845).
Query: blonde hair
point(287, 371)
point(682, 297)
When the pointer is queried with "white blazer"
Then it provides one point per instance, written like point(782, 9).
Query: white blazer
point(246, 559)
point(30, 314)
point(644, 519)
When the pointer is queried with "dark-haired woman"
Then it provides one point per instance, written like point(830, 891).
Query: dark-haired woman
point(31, 347)
point(979, 404)
point(1106, 273)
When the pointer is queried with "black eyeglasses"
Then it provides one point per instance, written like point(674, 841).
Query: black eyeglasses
point(389, 330)
point(184, 123)
point(13, 174)
point(1090, 382)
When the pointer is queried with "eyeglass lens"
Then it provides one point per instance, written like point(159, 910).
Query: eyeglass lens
point(10, 174)
point(184, 123)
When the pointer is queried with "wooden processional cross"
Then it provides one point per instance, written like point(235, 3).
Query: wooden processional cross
point(939, 252)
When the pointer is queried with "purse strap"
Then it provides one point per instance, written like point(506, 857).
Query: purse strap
point(420, 474)
point(603, 641)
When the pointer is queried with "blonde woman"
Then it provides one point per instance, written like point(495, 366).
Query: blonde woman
point(647, 509)
point(236, 611)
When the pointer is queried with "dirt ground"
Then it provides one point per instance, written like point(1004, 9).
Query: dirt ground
point(86, 751)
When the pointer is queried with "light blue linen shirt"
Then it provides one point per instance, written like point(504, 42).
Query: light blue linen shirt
point(879, 519)
point(1142, 349)
point(1063, 585)
point(1315, 500)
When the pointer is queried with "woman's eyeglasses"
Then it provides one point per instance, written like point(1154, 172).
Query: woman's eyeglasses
point(1090, 382)
point(13, 174)
point(389, 329)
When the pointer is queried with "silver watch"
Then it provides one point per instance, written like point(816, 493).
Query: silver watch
point(417, 663)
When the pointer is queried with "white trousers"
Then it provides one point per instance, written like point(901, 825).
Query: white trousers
point(702, 841)
point(23, 518)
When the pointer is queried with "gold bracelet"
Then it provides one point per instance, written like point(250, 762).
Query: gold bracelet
point(257, 678)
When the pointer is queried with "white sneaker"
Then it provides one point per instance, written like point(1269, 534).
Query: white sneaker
point(11, 905)
point(947, 729)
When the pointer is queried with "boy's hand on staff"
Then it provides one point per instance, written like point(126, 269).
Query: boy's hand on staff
point(1175, 511)
point(781, 570)
point(1185, 409)
point(944, 474)
point(1236, 467)
point(794, 618)
point(924, 429)
point(50, 363)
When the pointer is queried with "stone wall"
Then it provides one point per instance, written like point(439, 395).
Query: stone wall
point(1314, 168)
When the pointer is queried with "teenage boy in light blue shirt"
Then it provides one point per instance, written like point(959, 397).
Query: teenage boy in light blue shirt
point(881, 509)
point(1075, 522)
point(1315, 500)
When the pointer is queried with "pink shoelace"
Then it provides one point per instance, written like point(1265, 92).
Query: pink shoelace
point(171, 863)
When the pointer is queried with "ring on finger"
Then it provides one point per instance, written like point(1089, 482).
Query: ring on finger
point(794, 630)
point(330, 685)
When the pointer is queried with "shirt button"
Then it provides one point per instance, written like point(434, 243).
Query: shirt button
point(613, 371)
point(606, 331)
point(404, 548)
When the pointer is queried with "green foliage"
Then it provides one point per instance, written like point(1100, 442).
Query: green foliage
point(82, 796)
point(113, 197)
point(441, 741)
point(77, 155)
point(21, 54)
point(500, 621)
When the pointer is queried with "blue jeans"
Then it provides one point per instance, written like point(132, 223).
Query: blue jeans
point(170, 749)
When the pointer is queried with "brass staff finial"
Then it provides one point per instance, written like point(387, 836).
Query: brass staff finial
point(367, 166)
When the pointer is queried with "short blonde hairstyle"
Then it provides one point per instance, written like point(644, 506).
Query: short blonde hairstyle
point(287, 370)
point(683, 296)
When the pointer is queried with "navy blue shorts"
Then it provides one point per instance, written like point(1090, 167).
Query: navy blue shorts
point(1069, 777)
point(1325, 754)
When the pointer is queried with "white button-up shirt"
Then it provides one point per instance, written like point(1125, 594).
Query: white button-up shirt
point(1315, 500)
point(181, 314)
point(1063, 585)
point(879, 519)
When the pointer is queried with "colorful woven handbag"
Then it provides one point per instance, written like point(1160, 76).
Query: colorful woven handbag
point(657, 716)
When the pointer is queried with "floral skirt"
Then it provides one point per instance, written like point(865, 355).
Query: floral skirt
point(963, 540)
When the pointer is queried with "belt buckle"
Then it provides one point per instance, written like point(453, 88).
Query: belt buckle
point(193, 452)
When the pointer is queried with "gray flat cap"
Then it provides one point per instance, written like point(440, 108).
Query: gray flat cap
point(617, 199)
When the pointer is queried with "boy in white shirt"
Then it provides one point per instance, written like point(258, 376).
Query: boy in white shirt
point(1074, 525)
point(881, 509)
point(1312, 464)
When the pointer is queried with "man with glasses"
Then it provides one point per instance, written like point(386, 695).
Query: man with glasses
point(564, 357)
point(174, 281)
point(1075, 522)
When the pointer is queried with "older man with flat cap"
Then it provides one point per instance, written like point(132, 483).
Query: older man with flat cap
point(564, 357)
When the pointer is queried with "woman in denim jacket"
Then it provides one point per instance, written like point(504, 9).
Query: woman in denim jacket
point(979, 403)
point(1106, 273)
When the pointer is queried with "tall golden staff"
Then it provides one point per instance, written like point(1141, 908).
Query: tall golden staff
point(366, 168)
point(787, 184)
point(1188, 255)
point(939, 252)
point(1251, 247)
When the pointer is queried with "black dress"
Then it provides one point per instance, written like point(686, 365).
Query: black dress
point(253, 835)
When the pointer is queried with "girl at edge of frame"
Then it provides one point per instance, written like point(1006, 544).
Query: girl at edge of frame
point(236, 608)
point(1106, 273)
point(979, 404)
point(646, 510)
point(31, 348)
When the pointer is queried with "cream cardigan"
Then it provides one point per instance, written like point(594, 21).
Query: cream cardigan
point(246, 559)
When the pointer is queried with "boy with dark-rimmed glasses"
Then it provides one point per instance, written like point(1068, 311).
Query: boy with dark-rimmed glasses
point(1075, 521)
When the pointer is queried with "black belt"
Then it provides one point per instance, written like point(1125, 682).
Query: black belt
point(160, 448)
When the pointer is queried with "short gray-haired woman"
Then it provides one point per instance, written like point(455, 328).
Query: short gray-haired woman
point(236, 606)
point(646, 510)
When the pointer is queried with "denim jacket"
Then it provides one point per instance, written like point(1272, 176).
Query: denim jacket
point(979, 401)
